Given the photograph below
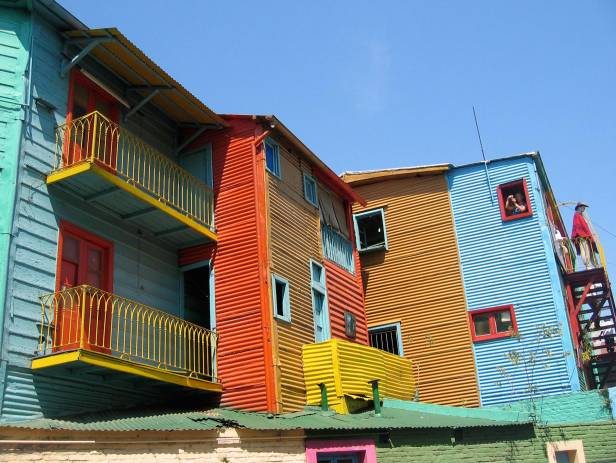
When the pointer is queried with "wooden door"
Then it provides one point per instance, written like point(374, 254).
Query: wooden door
point(88, 135)
point(83, 316)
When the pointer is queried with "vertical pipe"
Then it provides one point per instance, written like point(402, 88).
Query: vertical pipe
point(376, 397)
point(324, 402)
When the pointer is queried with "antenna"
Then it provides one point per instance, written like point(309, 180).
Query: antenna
point(483, 154)
point(479, 134)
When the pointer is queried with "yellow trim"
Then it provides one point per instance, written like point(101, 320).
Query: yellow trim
point(67, 172)
point(120, 183)
point(112, 363)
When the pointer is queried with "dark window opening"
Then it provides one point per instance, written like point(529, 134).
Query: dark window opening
point(514, 200)
point(280, 290)
point(371, 230)
point(197, 296)
point(385, 338)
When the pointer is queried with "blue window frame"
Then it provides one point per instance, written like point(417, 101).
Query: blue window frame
point(272, 157)
point(370, 230)
point(319, 302)
point(281, 298)
point(310, 190)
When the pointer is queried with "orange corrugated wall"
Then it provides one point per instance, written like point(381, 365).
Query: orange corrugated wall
point(244, 350)
point(418, 282)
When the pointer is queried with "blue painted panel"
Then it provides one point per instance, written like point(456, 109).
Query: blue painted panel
point(511, 263)
point(143, 270)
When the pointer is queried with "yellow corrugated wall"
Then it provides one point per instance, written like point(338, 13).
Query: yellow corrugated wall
point(418, 283)
point(294, 239)
point(347, 368)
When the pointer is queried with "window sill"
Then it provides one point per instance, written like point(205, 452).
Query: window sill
point(509, 218)
point(490, 337)
point(373, 249)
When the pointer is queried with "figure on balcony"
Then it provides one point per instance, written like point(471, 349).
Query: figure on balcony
point(583, 237)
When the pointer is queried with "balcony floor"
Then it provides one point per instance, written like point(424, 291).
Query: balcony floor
point(90, 362)
point(114, 195)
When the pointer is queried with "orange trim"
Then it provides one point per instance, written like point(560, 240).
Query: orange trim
point(262, 240)
point(501, 203)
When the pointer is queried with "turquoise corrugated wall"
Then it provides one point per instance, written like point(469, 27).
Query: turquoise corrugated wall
point(14, 54)
point(512, 263)
point(143, 271)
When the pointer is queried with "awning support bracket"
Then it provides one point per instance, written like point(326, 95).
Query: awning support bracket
point(192, 138)
point(91, 44)
point(143, 101)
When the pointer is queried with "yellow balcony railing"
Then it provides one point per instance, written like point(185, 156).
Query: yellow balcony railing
point(94, 139)
point(87, 318)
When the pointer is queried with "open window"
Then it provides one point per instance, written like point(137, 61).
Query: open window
point(387, 337)
point(514, 200)
point(281, 299)
point(493, 323)
point(571, 451)
point(370, 230)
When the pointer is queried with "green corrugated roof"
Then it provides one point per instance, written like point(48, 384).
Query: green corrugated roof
point(395, 415)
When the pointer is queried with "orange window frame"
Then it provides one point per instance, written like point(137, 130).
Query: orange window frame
point(67, 228)
point(492, 311)
point(501, 202)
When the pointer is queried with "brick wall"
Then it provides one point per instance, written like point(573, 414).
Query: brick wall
point(497, 444)
point(228, 446)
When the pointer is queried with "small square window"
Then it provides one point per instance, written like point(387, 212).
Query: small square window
point(310, 190)
point(370, 230)
point(514, 200)
point(272, 157)
point(497, 322)
point(571, 451)
point(387, 338)
point(281, 299)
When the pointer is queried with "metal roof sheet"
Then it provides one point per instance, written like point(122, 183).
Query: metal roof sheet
point(395, 415)
point(131, 64)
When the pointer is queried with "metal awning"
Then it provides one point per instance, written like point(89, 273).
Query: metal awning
point(113, 50)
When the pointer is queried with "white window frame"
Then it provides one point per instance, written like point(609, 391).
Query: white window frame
point(576, 446)
point(286, 302)
point(398, 327)
point(310, 178)
point(385, 246)
point(321, 287)
point(276, 147)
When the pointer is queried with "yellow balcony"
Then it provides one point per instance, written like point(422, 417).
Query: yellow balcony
point(106, 165)
point(86, 328)
point(347, 370)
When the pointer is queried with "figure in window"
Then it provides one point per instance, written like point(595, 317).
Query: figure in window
point(515, 204)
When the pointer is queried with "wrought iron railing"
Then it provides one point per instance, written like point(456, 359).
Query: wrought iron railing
point(337, 248)
point(93, 138)
point(85, 317)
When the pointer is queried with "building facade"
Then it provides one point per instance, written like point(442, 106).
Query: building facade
point(495, 240)
point(158, 250)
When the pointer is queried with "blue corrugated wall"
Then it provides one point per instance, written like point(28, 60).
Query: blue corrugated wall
point(143, 271)
point(512, 263)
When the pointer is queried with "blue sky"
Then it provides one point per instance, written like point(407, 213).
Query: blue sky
point(369, 86)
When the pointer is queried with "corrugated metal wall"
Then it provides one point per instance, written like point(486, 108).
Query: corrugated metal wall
point(143, 271)
point(418, 283)
point(344, 293)
point(294, 233)
point(241, 350)
point(511, 263)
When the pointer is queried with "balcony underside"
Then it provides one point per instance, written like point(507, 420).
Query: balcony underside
point(87, 362)
point(112, 194)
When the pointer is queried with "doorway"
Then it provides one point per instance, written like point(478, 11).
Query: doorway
point(197, 295)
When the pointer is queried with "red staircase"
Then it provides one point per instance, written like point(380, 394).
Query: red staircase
point(593, 322)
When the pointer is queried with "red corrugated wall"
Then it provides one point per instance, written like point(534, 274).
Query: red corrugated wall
point(242, 353)
point(345, 293)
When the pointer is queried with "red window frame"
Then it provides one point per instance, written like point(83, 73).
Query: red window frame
point(67, 228)
point(501, 202)
point(493, 334)
point(94, 91)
